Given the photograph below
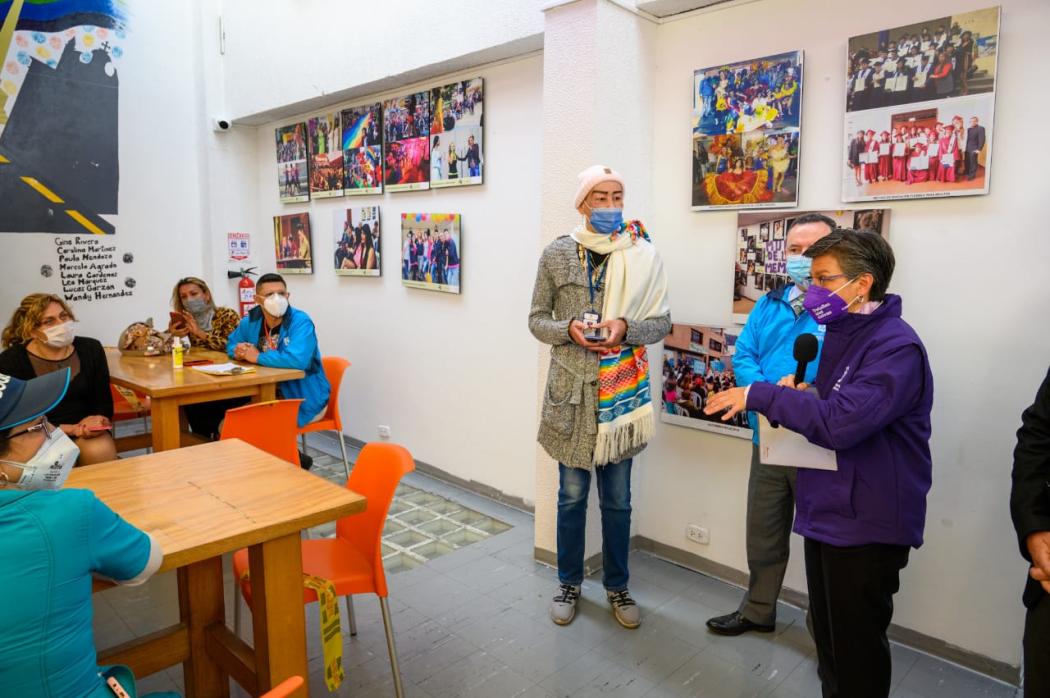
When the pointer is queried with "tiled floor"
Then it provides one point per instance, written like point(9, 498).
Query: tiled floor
point(473, 623)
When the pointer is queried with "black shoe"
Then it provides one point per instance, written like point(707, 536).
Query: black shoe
point(305, 461)
point(735, 624)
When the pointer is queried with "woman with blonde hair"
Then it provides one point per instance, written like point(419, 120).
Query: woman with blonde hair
point(42, 338)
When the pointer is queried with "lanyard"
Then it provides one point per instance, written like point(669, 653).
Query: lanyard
point(591, 283)
point(270, 343)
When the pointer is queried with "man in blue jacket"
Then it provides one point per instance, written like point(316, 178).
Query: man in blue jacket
point(765, 352)
point(277, 335)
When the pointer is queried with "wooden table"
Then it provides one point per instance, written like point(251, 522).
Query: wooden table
point(199, 503)
point(169, 389)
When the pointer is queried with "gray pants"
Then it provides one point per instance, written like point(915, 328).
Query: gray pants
point(770, 513)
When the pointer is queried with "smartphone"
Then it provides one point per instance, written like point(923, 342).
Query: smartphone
point(197, 362)
point(591, 333)
point(177, 318)
point(117, 689)
point(100, 427)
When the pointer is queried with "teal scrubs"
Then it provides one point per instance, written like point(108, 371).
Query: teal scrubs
point(51, 542)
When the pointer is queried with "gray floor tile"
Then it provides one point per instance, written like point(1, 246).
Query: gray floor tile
point(769, 658)
point(479, 674)
point(933, 678)
point(449, 650)
point(486, 573)
point(648, 652)
point(437, 595)
point(596, 675)
point(707, 675)
point(665, 574)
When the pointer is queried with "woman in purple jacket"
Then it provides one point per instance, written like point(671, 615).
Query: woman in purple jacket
point(870, 403)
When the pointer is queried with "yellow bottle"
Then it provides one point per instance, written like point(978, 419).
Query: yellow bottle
point(176, 355)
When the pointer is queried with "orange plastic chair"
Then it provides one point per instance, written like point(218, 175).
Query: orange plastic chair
point(128, 405)
point(353, 560)
point(285, 688)
point(269, 426)
point(334, 368)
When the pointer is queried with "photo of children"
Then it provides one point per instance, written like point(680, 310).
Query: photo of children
point(406, 155)
point(357, 247)
point(457, 113)
point(698, 362)
point(760, 263)
point(430, 251)
point(746, 120)
point(326, 156)
point(362, 145)
point(292, 169)
point(291, 237)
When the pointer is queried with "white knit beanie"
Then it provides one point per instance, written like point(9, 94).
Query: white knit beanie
point(592, 177)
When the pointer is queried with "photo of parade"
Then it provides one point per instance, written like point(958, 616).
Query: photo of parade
point(291, 163)
point(430, 251)
point(698, 363)
point(357, 246)
point(745, 124)
point(406, 155)
point(362, 144)
point(456, 133)
point(291, 236)
point(326, 156)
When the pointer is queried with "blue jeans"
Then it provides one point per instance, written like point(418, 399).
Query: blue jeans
point(614, 497)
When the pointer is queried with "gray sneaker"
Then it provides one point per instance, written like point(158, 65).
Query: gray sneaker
point(563, 607)
point(625, 609)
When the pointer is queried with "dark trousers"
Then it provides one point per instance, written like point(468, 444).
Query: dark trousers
point(971, 164)
point(205, 417)
point(850, 607)
point(1037, 650)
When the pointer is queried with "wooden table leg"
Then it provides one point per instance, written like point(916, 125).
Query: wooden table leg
point(278, 618)
point(165, 414)
point(200, 606)
point(267, 392)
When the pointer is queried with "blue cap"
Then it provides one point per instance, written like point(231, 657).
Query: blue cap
point(23, 401)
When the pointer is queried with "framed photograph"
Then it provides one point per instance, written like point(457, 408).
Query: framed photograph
point(357, 242)
point(457, 119)
point(292, 169)
point(778, 230)
point(291, 237)
point(326, 156)
point(746, 123)
point(763, 232)
point(431, 251)
point(920, 102)
point(362, 145)
point(698, 363)
point(406, 149)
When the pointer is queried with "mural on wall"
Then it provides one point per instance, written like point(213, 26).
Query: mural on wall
point(58, 76)
point(363, 149)
point(457, 118)
point(406, 147)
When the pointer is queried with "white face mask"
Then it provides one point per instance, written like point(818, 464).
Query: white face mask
point(61, 336)
point(276, 305)
point(50, 466)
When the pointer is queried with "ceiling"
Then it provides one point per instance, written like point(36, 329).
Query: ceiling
point(667, 8)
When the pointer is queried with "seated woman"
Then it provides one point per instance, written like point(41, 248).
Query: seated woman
point(51, 541)
point(871, 406)
point(40, 339)
point(196, 316)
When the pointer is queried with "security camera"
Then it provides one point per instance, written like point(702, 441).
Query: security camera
point(220, 124)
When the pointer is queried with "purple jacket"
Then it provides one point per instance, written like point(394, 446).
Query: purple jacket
point(875, 376)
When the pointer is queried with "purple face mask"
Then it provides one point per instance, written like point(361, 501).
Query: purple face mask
point(826, 306)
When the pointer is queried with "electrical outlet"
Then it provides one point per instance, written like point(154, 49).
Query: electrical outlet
point(698, 534)
point(384, 431)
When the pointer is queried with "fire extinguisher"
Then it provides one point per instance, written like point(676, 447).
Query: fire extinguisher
point(245, 289)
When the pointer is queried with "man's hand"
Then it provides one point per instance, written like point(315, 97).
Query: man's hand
point(249, 354)
point(240, 350)
point(1039, 549)
point(730, 402)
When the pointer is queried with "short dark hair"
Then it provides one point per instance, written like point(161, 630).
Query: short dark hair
point(814, 218)
point(271, 278)
point(859, 252)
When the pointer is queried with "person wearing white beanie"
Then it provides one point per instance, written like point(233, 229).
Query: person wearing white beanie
point(600, 297)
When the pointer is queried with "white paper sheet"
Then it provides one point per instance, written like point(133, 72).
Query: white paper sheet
point(781, 446)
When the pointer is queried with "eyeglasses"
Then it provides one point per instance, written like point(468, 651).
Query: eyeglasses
point(821, 280)
point(43, 425)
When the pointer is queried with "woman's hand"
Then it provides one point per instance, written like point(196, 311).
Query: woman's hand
point(576, 330)
point(617, 332)
point(730, 402)
point(192, 328)
point(91, 426)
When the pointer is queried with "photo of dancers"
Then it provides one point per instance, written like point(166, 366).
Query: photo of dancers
point(363, 149)
point(291, 163)
point(430, 251)
point(406, 154)
point(357, 247)
point(326, 156)
point(746, 121)
point(920, 102)
point(291, 237)
point(458, 118)
point(698, 362)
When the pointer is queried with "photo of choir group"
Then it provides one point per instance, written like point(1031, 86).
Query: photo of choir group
point(431, 138)
point(291, 236)
point(761, 262)
point(698, 362)
point(430, 251)
point(357, 242)
point(746, 124)
point(457, 112)
point(291, 163)
point(362, 145)
point(919, 107)
point(326, 156)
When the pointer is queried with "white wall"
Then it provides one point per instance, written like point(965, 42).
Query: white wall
point(960, 263)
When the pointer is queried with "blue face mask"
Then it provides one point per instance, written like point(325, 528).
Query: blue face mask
point(799, 268)
point(606, 220)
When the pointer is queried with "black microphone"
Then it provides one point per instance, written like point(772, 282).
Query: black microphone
point(805, 351)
